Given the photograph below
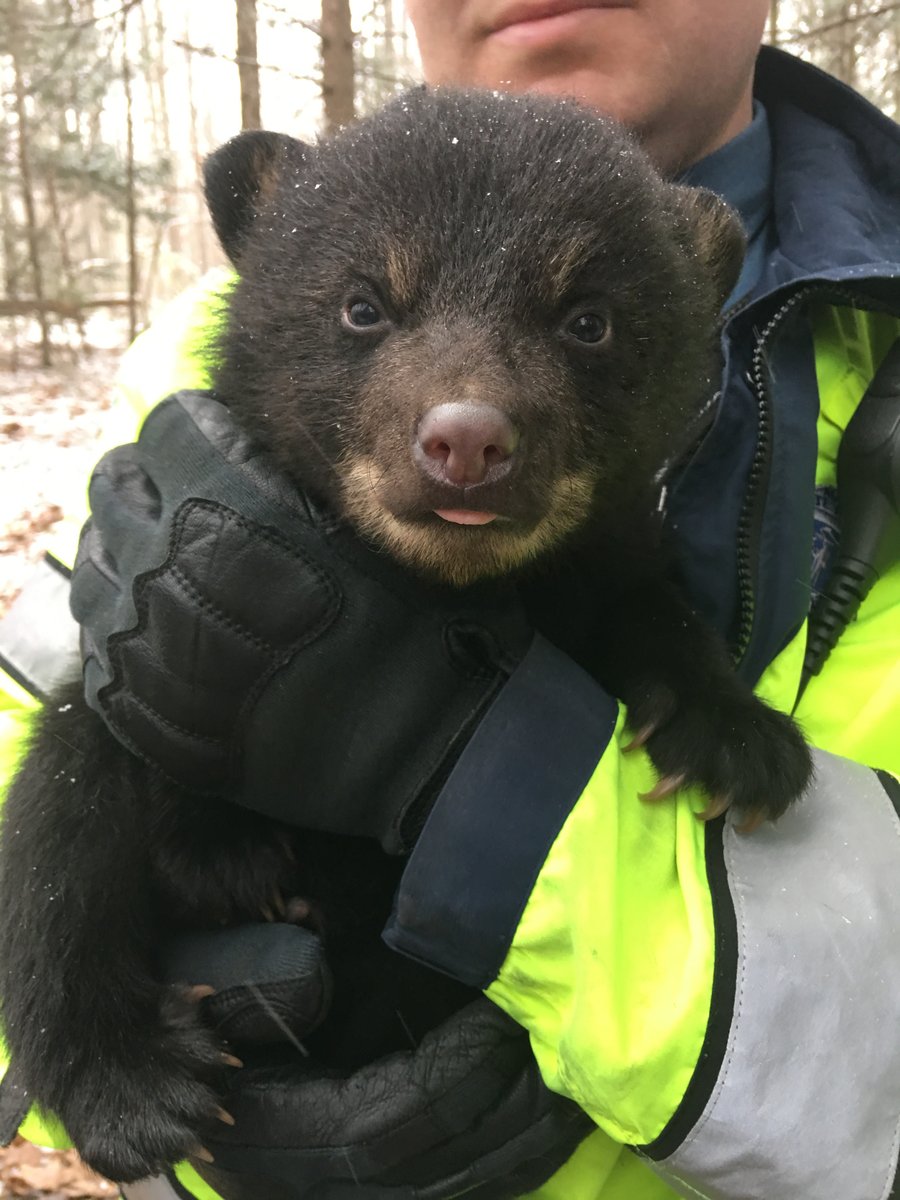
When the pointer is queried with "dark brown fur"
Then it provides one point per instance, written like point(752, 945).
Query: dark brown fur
point(480, 227)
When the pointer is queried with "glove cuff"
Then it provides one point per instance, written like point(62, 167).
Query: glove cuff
point(484, 843)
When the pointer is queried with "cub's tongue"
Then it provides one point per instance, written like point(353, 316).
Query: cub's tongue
point(465, 516)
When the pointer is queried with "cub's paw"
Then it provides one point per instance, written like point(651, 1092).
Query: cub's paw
point(741, 752)
point(247, 870)
point(152, 1107)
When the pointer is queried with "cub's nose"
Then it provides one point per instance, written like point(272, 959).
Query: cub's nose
point(462, 443)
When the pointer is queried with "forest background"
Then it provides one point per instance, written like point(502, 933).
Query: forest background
point(107, 110)
point(110, 106)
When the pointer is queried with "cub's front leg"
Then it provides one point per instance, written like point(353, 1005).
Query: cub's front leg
point(699, 722)
point(122, 1060)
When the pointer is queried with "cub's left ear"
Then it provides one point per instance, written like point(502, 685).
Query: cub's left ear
point(241, 177)
point(712, 231)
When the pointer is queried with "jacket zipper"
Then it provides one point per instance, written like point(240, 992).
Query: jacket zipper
point(750, 524)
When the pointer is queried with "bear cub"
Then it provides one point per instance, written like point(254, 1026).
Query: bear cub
point(481, 328)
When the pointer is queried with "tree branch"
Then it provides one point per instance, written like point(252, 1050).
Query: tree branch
point(208, 52)
point(312, 26)
point(122, 11)
point(23, 306)
point(870, 15)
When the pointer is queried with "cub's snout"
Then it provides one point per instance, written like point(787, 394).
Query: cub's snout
point(466, 465)
point(464, 445)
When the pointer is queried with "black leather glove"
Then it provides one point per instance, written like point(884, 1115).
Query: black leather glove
point(464, 1114)
point(252, 647)
point(272, 984)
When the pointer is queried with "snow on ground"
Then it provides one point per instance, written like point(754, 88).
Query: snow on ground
point(50, 430)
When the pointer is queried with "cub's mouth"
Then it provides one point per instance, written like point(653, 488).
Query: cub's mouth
point(462, 539)
point(465, 516)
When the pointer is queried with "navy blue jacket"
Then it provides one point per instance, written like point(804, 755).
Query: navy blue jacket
point(743, 509)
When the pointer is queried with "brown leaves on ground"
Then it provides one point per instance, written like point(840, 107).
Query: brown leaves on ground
point(18, 533)
point(32, 1173)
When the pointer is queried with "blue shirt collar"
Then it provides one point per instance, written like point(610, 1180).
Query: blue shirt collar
point(741, 173)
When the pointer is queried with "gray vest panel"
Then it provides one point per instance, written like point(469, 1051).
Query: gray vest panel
point(807, 1102)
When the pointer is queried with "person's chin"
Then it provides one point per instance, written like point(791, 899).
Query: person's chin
point(604, 89)
point(588, 86)
point(593, 71)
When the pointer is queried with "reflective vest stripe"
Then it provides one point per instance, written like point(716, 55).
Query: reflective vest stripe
point(806, 1105)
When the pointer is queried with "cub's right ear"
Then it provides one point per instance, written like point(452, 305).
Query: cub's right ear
point(241, 176)
point(712, 233)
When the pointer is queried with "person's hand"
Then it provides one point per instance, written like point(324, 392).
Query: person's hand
point(250, 646)
point(464, 1114)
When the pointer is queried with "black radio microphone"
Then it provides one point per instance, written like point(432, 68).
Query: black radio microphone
point(868, 500)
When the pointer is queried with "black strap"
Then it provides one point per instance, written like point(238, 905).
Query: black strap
point(14, 1105)
point(38, 638)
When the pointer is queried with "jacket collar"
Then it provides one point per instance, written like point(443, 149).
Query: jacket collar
point(837, 177)
point(836, 202)
point(751, 482)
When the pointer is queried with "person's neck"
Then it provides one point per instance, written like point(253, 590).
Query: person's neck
point(674, 158)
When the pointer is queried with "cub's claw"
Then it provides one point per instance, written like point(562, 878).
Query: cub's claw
point(715, 808)
point(742, 753)
point(641, 738)
point(150, 1109)
point(666, 787)
point(275, 908)
point(198, 991)
point(752, 822)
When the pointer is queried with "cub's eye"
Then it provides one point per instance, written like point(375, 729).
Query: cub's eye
point(361, 315)
point(589, 328)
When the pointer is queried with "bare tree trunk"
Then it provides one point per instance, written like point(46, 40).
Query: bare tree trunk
point(15, 50)
point(849, 65)
point(130, 198)
point(65, 254)
point(62, 233)
point(153, 55)
point(151, 269)
point(248, 64)
point(164, 133)
point(773, 22)
point(201, 217)
point(10, 271)
point(338, 82)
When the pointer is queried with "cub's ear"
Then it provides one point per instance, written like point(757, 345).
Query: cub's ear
point(241, 176)
point(711, 231)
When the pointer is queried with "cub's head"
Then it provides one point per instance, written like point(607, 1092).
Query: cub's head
point(472, 323)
